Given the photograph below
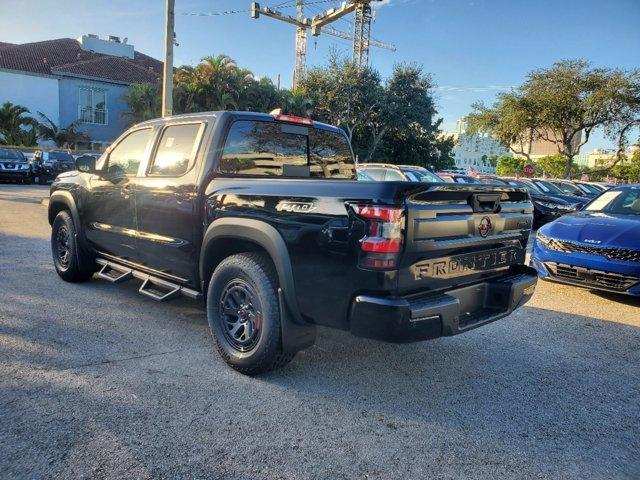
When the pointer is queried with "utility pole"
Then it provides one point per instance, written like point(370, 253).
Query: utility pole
point(167, 77)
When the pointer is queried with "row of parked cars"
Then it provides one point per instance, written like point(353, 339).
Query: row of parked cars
point(588, 233)
point(41, 166)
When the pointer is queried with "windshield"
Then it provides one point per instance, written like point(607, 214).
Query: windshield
point(422, 176)
point(60, 156)
point(623, 201)
point(14, 155)
point(530, 188)
point(589, 189)
point(547, 187)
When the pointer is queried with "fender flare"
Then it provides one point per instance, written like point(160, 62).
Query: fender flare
point(65, 198)
point(264, 235)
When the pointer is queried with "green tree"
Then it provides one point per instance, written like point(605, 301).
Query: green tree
point(67, 137)
point(552, 165)
point(509, 166)
point(16, 126)
point(563, 105)
point(143, 102)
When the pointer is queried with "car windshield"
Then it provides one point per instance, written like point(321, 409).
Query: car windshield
point(13, 155)
point(60, 156)
point(625, 201)
point(422, 176)
point(590, 189)
point(547, 187)
point(530, 187)
point(569, 188)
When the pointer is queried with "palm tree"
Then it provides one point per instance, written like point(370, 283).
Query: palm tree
point(297, 103)
point(63, 137)
point(143, 100)
point(14, 125)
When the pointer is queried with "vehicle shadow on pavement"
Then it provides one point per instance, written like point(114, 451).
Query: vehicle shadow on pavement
point(98, 381)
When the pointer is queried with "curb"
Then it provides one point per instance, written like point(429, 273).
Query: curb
point(44, 201)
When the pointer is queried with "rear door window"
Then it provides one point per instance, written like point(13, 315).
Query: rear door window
point(176, 150)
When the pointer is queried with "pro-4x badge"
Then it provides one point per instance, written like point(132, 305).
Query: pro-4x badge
point(295, 207)
point(485, 227)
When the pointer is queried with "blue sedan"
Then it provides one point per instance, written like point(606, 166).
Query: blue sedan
point(597, 247)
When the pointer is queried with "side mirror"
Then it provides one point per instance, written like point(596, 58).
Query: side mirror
point(86, 164)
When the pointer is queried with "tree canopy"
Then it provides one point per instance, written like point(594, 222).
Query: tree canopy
point(392, 121)
point(563, 105)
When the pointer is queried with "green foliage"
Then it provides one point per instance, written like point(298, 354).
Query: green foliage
point(143, 101)
point(392, 121)
point(629, 169)
point(16, 126)
point(562, 104)
point(67, 137)
point(509, 166)
point(554, 166)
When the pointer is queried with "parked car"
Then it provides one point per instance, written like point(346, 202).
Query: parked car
point(597, 247)
point(48, 165)
point(386, 172)
point(14, 166)
point(588, 189)
point(546, 207)
point(260, 215)
point(457, 178)
point(547, 187)
point(568, 187)
point(85, 161)
point(603, 187)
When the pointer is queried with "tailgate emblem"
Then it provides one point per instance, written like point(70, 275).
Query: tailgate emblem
point(485, 226)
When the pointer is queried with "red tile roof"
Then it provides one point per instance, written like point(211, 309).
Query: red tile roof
point(64, 55)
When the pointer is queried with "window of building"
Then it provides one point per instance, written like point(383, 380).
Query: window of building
point(177, 150)
point(92, 106)
point(125, 158)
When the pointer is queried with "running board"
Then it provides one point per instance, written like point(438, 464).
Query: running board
point(159, 291)
point(115, 273)
point(153, 287)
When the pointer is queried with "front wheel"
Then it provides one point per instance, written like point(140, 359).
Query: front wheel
point(243, 313)
point(70, 262)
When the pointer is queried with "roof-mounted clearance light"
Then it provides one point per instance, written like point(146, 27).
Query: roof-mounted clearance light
point(294, 119)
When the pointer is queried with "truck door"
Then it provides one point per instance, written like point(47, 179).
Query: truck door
point(109, 208)
point(166, 208)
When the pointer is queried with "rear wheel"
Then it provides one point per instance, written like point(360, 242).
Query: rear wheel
point(70, 262)
point(243, 313)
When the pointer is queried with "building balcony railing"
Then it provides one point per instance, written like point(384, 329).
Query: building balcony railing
point(97, 116)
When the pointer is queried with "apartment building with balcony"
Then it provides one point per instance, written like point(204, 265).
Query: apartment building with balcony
point(79, 80)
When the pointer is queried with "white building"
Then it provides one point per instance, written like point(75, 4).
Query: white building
point(473, 151)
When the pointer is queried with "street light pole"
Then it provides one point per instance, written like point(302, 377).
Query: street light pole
point(167, 77)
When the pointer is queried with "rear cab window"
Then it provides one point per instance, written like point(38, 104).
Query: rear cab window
point(272, 149)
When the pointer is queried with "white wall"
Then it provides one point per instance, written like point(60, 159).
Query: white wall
point(38, 94)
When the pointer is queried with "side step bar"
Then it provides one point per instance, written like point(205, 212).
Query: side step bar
point(153, 287)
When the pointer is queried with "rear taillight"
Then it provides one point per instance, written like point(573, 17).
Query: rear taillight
point(382, 242)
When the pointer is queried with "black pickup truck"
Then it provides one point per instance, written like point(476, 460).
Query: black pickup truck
point(261, 217)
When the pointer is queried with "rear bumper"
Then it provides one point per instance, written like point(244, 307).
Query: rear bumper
point(415, 318)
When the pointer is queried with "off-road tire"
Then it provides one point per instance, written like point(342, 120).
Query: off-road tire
point(257, 272)
point(76, 266)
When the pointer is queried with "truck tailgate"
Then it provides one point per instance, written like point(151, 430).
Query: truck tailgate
point(458, 234)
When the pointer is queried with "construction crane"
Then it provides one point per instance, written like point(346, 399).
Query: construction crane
point(319, 24)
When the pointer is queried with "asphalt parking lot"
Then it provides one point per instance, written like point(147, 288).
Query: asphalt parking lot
point(98, 382)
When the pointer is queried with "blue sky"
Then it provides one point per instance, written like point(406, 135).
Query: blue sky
point(473, 48)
